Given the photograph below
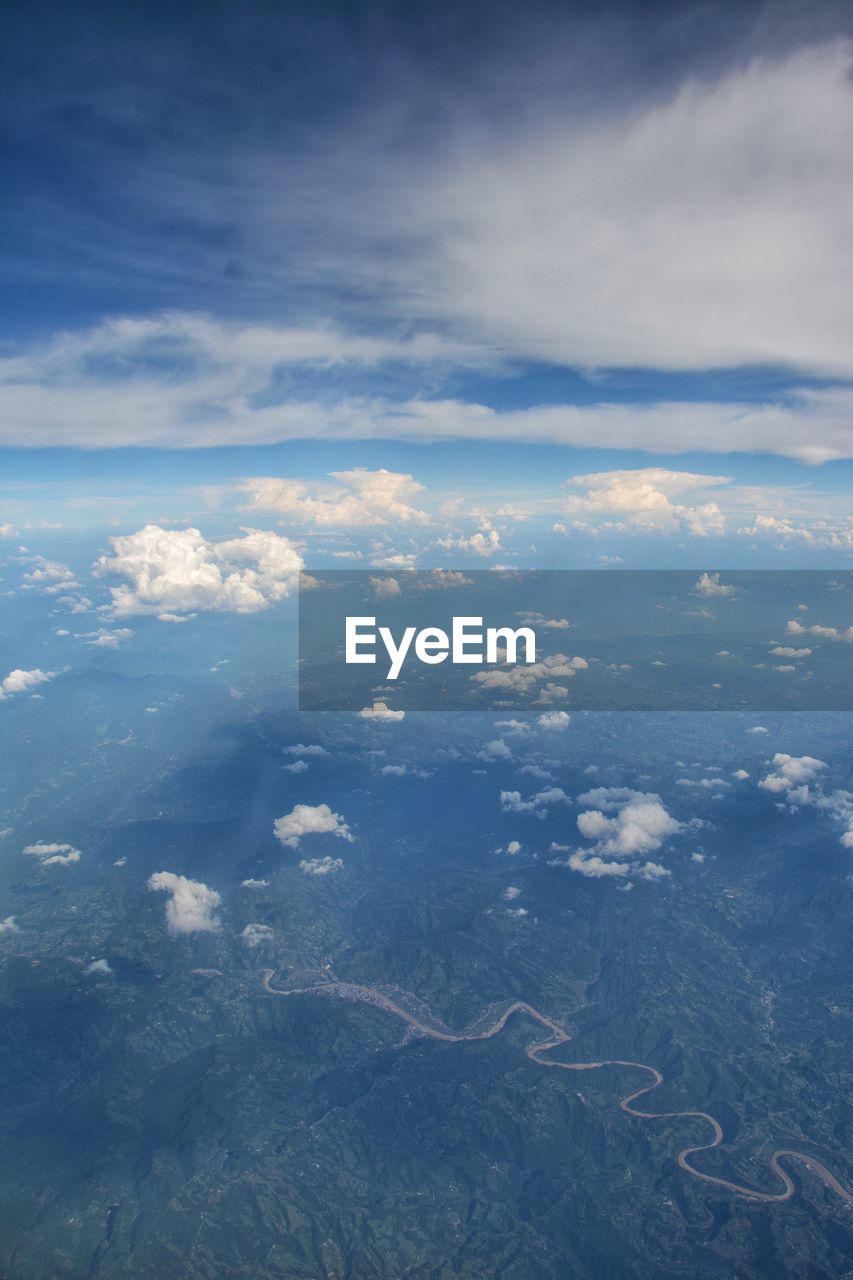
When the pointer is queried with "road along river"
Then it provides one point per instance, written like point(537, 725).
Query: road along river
point(557, 1036)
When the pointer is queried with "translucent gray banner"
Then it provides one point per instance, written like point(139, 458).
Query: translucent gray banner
point(644, 640)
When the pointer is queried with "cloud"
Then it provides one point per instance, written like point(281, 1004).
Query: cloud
point(255, 884)
point(796, 628)
point(792, 772)
point(104, 638)
point(309, 819)
point(53, 855)
point(796, 780)
point(394, 770)
point(98, 966)
point(597, 229)
point(709, 584)
point(381, 711)
point(511, 801)
point(821, 534)
point(49, 575)
point(303, 749)
point(647, 219)
point(254, 934)
point(385, 588)
point(809, 424)
point(75, 604)
point(443, 579)
point(485, 542)
point(624, 825)
point(19, 681)
point(8, 925)
point(320, 866)
point(540, 620)
point(395, 560)
point(497, 749)
point(522, 679)
point(173, 571)
point(191, 907)
point(511, 892)
point(594, 867)
point(298, 766)
point(360, 498)
point(639, 825)
point(643, 499)
point(181, 378)
point(554, 720)
point(514, 726)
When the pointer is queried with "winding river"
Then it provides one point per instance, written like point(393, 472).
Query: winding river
point(557, 1036)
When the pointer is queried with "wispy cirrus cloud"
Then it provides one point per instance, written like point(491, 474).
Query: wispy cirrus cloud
point(652, 235)
point(95, 398)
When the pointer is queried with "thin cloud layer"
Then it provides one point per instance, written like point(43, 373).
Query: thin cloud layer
point(647, 221)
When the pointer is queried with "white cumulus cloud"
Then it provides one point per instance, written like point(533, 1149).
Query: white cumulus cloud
point(523, 678)
point(709, 584)
point(309, 819)
point(358, 497)
point(647, 499)
point(381, 711)
point(796, 628)
point(19, 681)
point(624, 825)
point(791, 772)
point(554, 720)
point(173, 571)
point(191, 905)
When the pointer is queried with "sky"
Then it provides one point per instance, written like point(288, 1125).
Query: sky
point(485, 284)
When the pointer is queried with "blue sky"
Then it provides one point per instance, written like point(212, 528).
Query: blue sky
point(575, 286)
